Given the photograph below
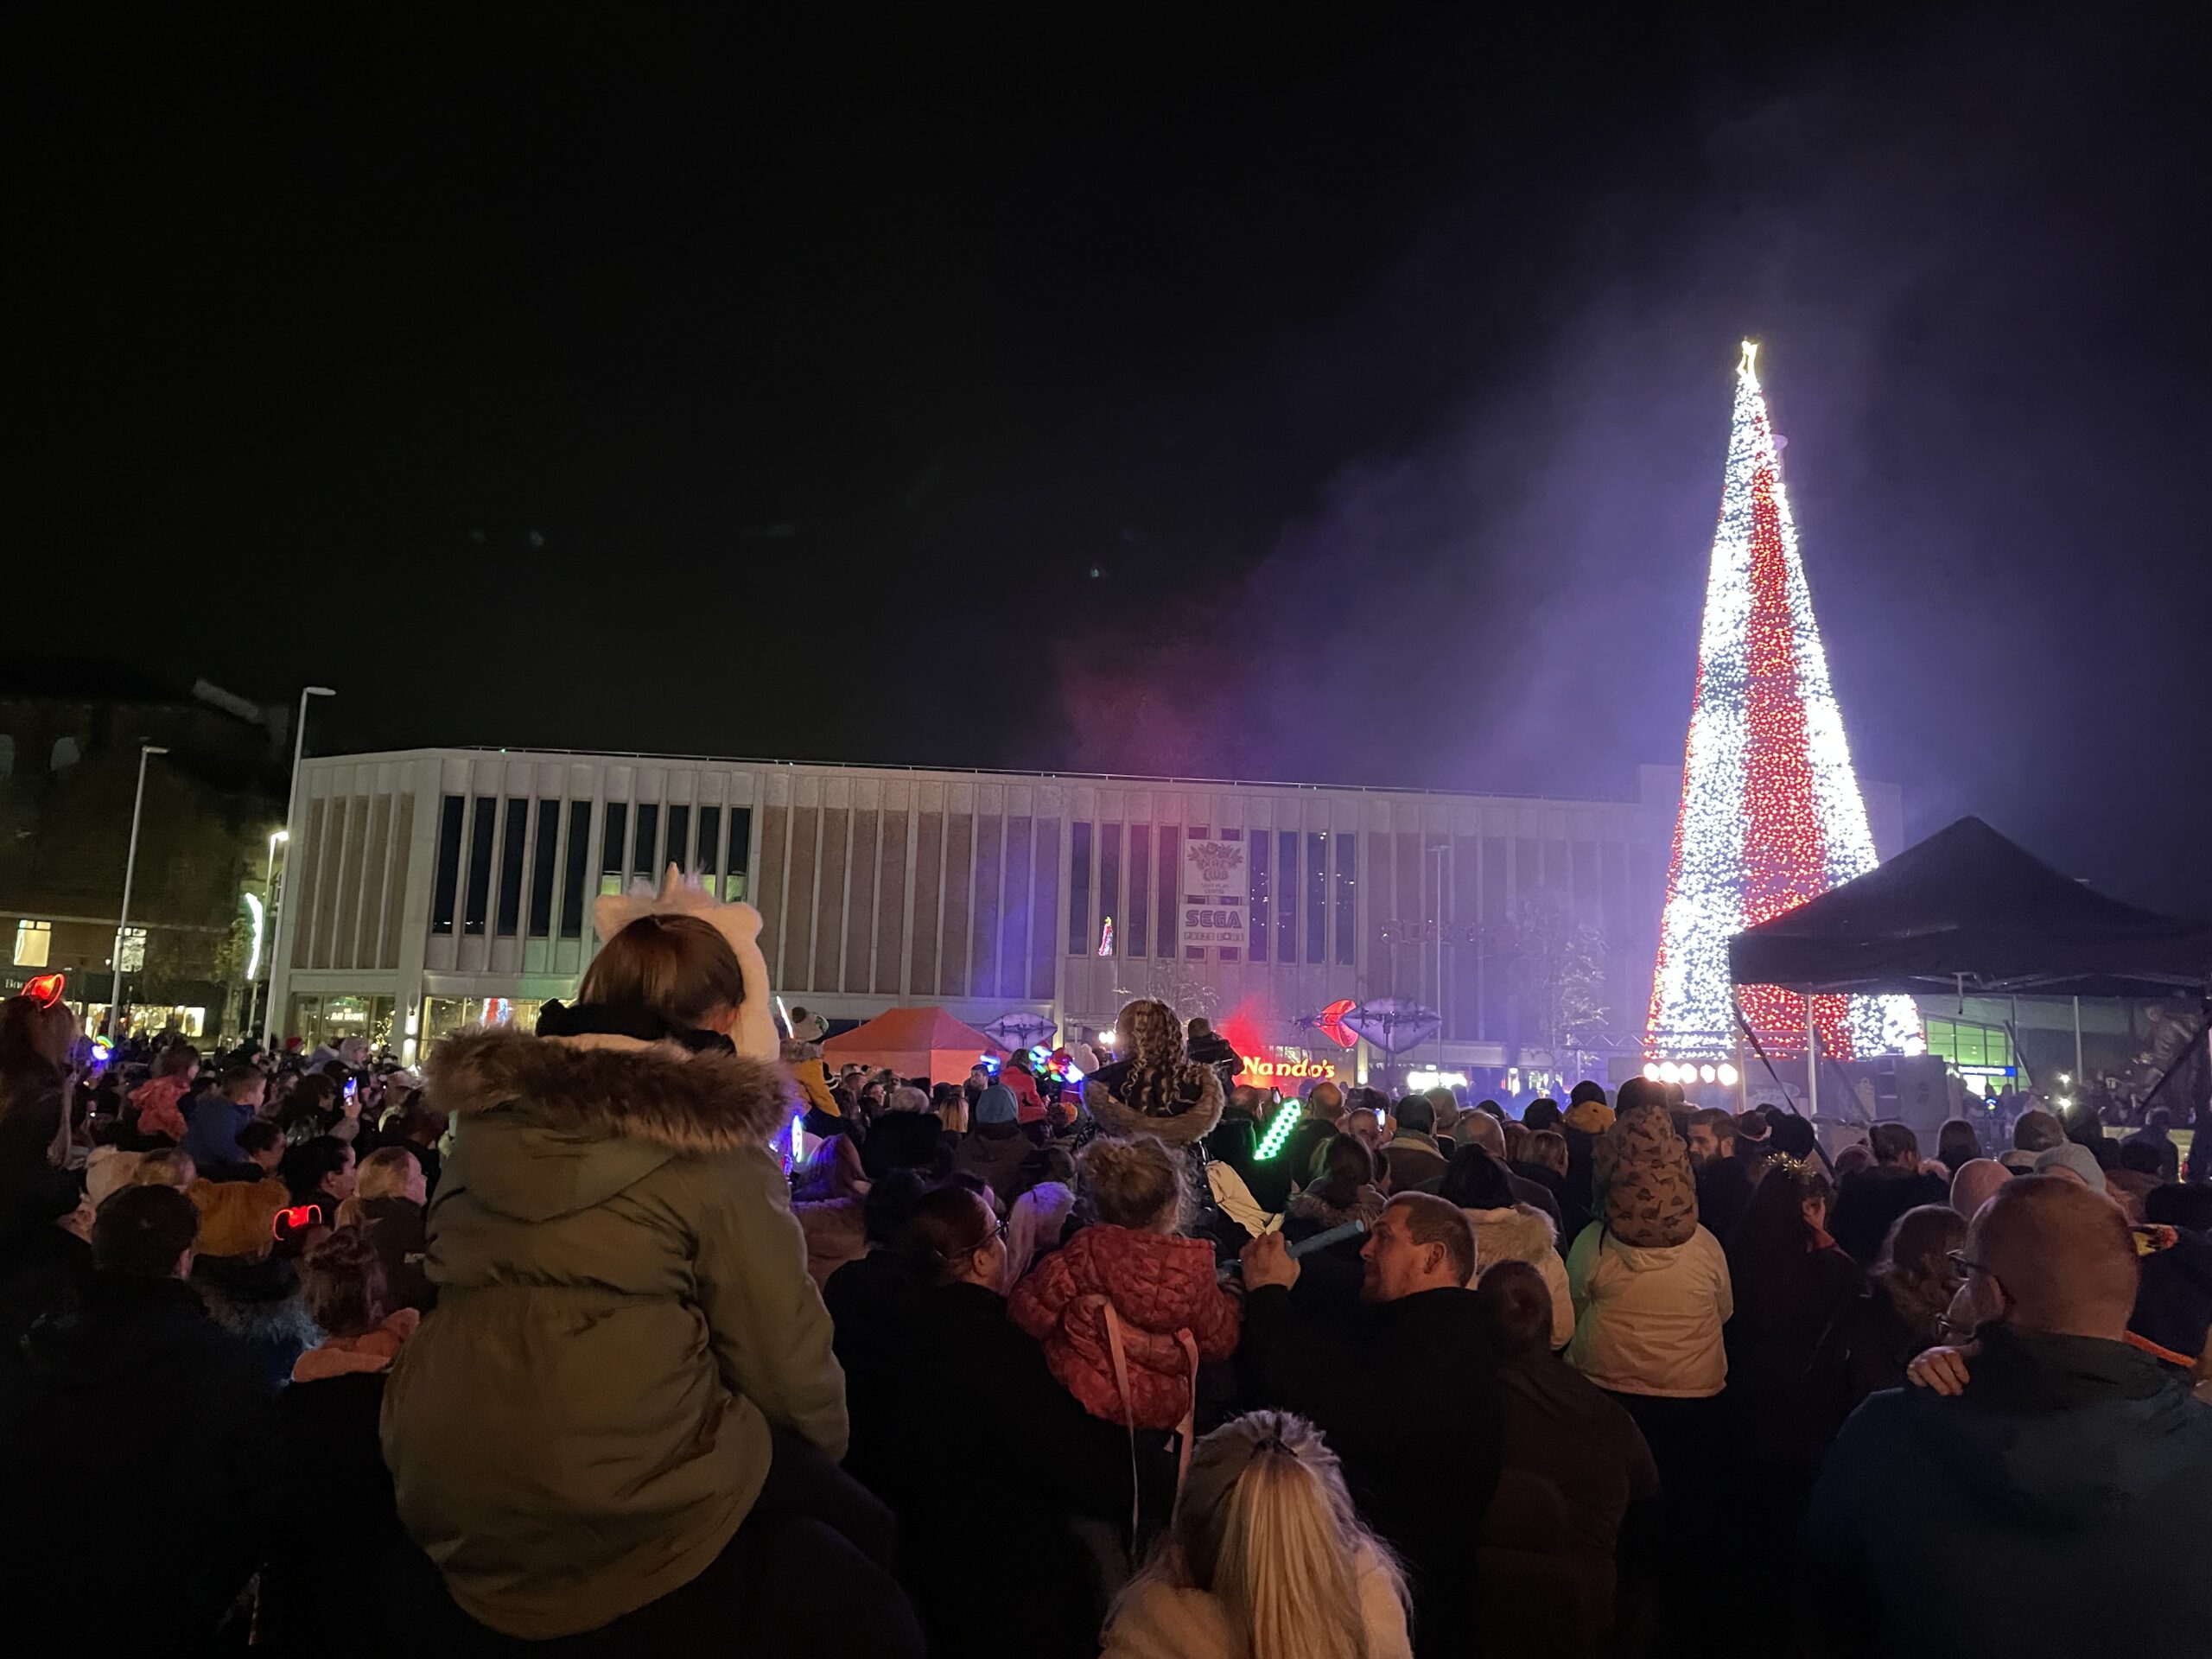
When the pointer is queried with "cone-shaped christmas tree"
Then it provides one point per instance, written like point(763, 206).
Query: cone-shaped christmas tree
point(1771, 814)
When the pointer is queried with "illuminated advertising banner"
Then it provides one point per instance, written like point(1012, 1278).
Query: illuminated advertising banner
point(1287, 1069)
point(1216, 892)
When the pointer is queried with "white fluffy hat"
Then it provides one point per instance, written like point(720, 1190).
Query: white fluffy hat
point(739, 924)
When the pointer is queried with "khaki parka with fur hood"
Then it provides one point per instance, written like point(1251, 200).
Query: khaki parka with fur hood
point(623, 1311)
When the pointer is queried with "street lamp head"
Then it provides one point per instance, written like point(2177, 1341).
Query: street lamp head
point(317, 691)
point(280, 834)
point(151, 748)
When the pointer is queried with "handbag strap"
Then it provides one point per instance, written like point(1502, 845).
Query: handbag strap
point(1185, 1430)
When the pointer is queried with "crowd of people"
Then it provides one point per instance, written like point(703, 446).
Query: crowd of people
point(574, 1344)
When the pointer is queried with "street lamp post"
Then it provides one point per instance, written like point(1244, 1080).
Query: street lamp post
point(269, 902)
point(130, 871)
point(291, 806)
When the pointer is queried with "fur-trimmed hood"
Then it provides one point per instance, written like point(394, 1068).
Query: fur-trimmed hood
point(546, 1125)
point(1192, 1120)
point(1521, 1234)
point(688, 1102)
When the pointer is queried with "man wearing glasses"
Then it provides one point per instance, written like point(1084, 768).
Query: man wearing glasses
point(2058, 1499)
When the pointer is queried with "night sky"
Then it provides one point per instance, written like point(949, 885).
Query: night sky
point(1324, 394)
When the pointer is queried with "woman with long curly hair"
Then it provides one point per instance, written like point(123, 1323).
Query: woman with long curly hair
point(1155, 1087)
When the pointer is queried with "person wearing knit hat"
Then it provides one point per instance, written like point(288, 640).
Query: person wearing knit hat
point(1651, 1295)
point(2075, 1160)
point(994, 1146)
point(1651, 1288)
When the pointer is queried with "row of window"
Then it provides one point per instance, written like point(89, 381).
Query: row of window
point(541, 850)
point(1132, 875)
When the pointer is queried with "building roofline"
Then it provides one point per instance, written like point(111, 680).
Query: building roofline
point(985, 772)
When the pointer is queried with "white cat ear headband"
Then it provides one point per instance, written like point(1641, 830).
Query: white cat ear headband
point(740, 923)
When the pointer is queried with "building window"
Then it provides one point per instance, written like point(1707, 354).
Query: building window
point(709, 861)
point(642, 861)
point(33, 944)
point(542, 858)
point(1347, 896)
point(1140, 917)
point(445, 886)
point(612, 840)
point(1078, 889)
point(1171, 891)
point(479, 898)
point(1109, 884)
point(1257, 929)
point(736, 879)
point(514, 835)
point(1317, 898)
point(578, 871)
point(1286, 895)
point(679, 838)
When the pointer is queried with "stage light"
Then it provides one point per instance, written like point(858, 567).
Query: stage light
point(1706, 1074)
point(1668, 1072)
point(1651, 1070)
point(1729, 1074)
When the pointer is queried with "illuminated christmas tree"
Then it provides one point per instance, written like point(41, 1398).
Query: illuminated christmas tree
point(1771, 814)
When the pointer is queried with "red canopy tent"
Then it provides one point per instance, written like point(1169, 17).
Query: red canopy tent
point(914, 1043)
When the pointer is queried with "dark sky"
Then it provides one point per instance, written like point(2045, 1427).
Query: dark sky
point(1332, 394)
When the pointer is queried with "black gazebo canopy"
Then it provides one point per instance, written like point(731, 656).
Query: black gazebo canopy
point(1968, 909)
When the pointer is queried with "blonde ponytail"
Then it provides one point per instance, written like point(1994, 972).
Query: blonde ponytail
point(1266, 1527)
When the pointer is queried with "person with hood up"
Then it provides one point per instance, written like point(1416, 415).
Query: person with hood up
point(624, 1415)
point(1128, 1308)
point(993, 1151)
point(1508, 1231)
point(2048, 1461)
point(1651, 1294)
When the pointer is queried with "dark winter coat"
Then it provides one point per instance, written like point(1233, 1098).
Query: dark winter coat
point(1570, 1216)
point(2059, 1506)
point(1869, 1202)
point(212, 1138)
point(873, 1304)
point(1415, 1163)
point(903, 1140)
point(1573, 1462)
point(340, 1517)
point(258, 1299)
point(994, 1153)
point(1788, 1380)
point(981, 1428)
point(1724, 1192)
point(43, 1275)
point(398, 1227)
point(582, 1421)
point(1368, 1390)
point(135, 1405)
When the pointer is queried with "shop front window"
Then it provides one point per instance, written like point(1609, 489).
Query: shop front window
point(444, 1015)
